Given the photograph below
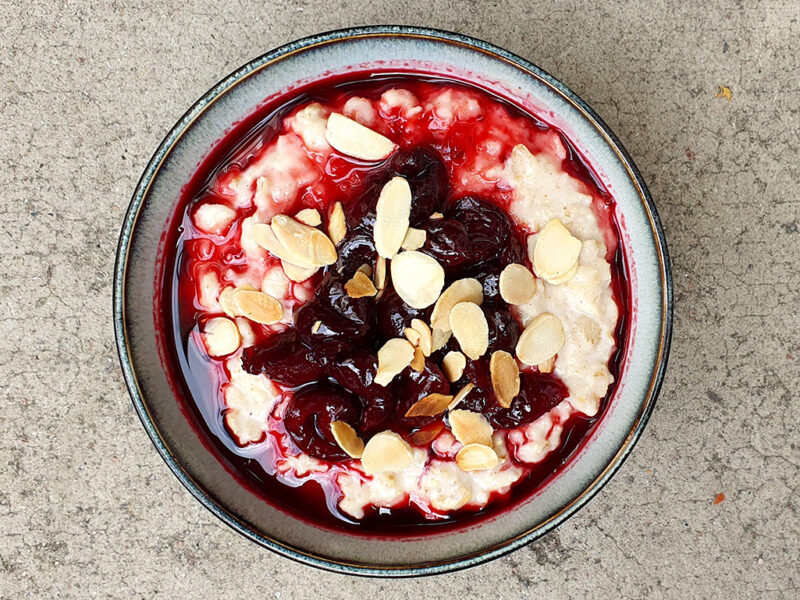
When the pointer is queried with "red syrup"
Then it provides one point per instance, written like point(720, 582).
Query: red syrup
point(197, 380)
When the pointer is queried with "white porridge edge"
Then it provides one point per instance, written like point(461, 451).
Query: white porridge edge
point(585, 305)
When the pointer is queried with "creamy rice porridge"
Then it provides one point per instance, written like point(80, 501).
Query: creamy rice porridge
point(396, 301)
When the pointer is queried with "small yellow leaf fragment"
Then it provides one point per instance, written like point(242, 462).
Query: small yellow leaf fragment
point(724, 91)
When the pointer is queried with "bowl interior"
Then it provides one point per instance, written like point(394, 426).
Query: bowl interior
point(387, 49)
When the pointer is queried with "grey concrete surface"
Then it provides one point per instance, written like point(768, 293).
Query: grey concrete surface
point(88, 89)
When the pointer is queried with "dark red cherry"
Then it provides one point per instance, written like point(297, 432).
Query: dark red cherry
point(487, 226)
point(539, 393)
point(287, 361)
point(427, 176)
point(393, 315)
point(357, 248)
point(310, 413)
point(339, 315)
point(355, 371)
point(411, 386)
point(504, 331)
point(447, 241)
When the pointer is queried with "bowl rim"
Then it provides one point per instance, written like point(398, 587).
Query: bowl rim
point(388, 31)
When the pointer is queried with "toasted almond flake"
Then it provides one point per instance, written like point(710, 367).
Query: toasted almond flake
point(366, 270)
point(353, 139)
point(541, 340)
point(470, 329)
point(414, 240)
point(394, 356)
point(310, 217)
point(360, 286)
point(476, 457)
point(439, 338)
point(312, 247)
point(462, 290)
point(425, 341)
point(517, 284)
point(418, 279)
point(337, 225)
point(565, 277)
point(258, 306)
point(505, 377)
point(556, 251)
point(315, 327)
point(386, 451)
point(460, 395)
point(430, 406)
point(265, 237)
point(380, 273)
point(427, 434)
point(436, 216)
point(227, 302)
point(453, 365)
point(391, 217)
point(412, 335)
point(348, 439)
point(418, 362)
point(470, 427)
point(221, 336)
point(547, 366)
point(297, 274)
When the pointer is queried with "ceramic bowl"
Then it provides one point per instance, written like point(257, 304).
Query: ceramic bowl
point(439, 53)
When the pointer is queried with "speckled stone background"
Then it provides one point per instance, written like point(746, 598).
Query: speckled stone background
point(87, 91)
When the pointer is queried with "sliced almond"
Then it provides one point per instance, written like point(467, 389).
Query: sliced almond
point(541, 340)
point(386, 451)
point(517, 284)
point(265, 237)
point(460, 395)
point(258, 306)
point(430, 406)
point(348, 439)
point(353, 139)
point(462, 290)
point(227, 302)
point(505, 377)
point(425, 435)
point(412, 335)
point(547, 366)
point(297, 274)
point(394, 356)
point(315, 327)
point(453, 365)
point(470, 427)
point(366, 270)
point(414, 240)
point(436, 216)
point(418, 279)
point(310, 247)
point(565, 277)
point(418, 362)
point(221, 336)
point(470, 329)
point(380, 273)
point(337, 225)
point(425, 340)
point(310, 217)
point(439, 338)
point(391, 217)
point(360, 286)
point(556, 251)
point(476, 457)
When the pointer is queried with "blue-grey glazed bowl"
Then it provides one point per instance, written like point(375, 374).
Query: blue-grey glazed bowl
point(436, 53)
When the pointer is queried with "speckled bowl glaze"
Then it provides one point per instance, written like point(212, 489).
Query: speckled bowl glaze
point(432, 52)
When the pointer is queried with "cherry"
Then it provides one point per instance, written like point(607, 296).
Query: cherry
point(310, 413)
point(287, 361)
point(447, 241)
point(393, 315)
point(356, 249)
point(488, 228)
point(427, 176)
point(411, 386)
point(355, 371)
point(339, 315)
point(539, 393)
point(504, 331)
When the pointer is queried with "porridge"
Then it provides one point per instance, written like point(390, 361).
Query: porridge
point(398, 300)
